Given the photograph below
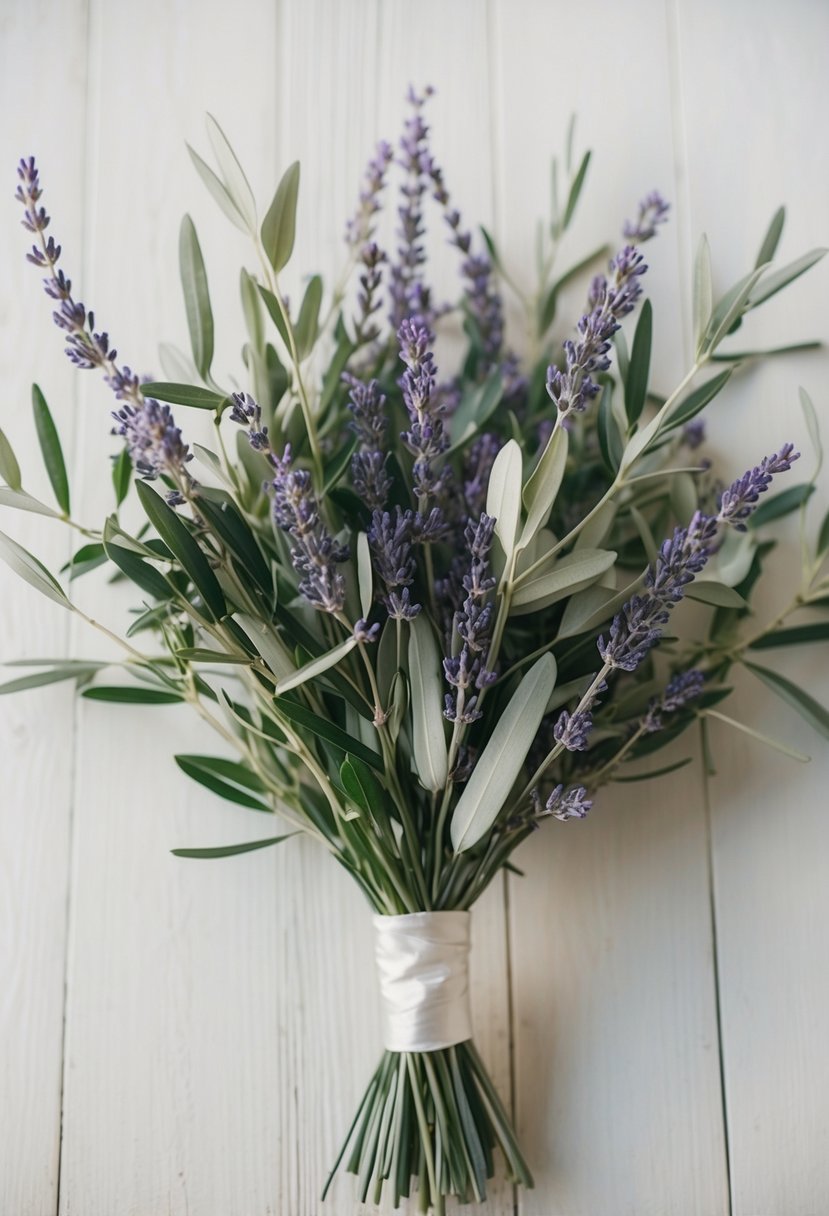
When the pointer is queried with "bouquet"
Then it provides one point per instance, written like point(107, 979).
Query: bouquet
point(425, 610)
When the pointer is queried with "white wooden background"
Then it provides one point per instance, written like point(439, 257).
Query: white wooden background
point(191, 1038)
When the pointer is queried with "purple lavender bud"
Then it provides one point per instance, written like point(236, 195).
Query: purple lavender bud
point(573, 730)
point(153, 440)
point(409, 295)
point(570, 804)
point(315, 554)
point(360, 227)
point(248, 413)
point(473, 622)
point(610, 299)
point(693, 434)
point(426, 439)
point(682, 688)
point(364, 632)
point(740, 499)
point(477, 467)
point(653, 210)
point(391, 539)
point(368, 301)
point(369, 477)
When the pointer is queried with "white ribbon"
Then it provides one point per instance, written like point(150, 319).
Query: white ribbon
point(422, 963)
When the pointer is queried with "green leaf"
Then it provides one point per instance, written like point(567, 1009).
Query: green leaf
point(182, 544)
point(88, 557)
point(636, 383)
point(218, 190)
point(812, 426)
point(570, 574)
point(796, 635)
point(575, 191)
point(251, 307)
point(33, 572)
point(307, 326)
point(226, 521)
point(823, 535)
point(697, 400)
point(610, 441)
point(198, 654)
point(782, 504)
point(22, 501)
point(781, 278)
point(276, 314)
point(730, 309)
point(68, 671)
point(703, 301)
point(196, 297)
point(548, 307)
point(185, 394)
point(324, 728)
point(706, 591)
point(540, 492)
point(279, 225)
point(226, 778)
point(365, 580)
point(756, 734)
point(426, 679)
point(121, 475)
point(9, 468)
point(808, 708)
point(138, 571)
point(131, 694)
point(361, 785)
point(316, 666)
point(475, 407)
point(657, 772)
point(740, 356)
point(235, 182)
point(231, 850)
point(772, 238)
point(47, 435)
point(503, 500)
point(502, 759)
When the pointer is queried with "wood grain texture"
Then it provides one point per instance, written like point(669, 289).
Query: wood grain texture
point(222, 1019)
point(770, 829)
point(36, 728)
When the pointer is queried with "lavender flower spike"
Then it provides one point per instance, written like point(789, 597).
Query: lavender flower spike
point(426, 439)
point(685, 686)
point(468, 669)
point(360, 227)
point(369, 477)
point(740, 499)
point(653, 210)
point(248, 413)
point(568, 804)
point(315, 553)
point(409, 296)
point(610, 299)
point(391, 539)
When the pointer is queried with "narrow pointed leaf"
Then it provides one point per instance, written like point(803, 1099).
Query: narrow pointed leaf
point(68, 671)
point(279, 225)
point(227, 778)
point(575, 191)
point(138, 571)
point(427, 690)
point(218, 190)
point(121, 475)
point(88, 557)
point(47, 435)
point(812, 426)
point(772, 238)
point(542, 488)
point(766, 740)
point(21, 501)
point(307, 325)
point(636, 382)
point(782, 504)
point(503, 757)
point(706, 591)
point(656, 772)
point(570, 574)
point(781, 278)
point(610, 441)
point(9, 468)
point(196, 297)
point(697, 399)
point(730, 308)
point(703, 300)
point(132, 694)
point(324, 728)
point(230, 850)
point(235, 182)
point(316, 667)
point(183, 545)
point(810, 709)
point(503, 499)
point(364, 573)
point(27, 567)
point(185, 394)
point(796, 635)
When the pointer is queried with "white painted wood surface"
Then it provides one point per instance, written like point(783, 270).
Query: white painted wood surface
point(221, 1020)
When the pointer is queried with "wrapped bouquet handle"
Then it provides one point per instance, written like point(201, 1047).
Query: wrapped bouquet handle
point(423, 968)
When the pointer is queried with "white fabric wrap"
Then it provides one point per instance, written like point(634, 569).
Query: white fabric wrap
point(423, 967)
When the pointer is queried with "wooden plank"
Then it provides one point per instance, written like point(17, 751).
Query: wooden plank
point(617, 1068)
point(36, 728)
point(743, 69)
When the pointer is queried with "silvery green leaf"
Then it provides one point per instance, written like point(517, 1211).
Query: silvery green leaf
point(732, 561)
point(503, 500)
point(756, 734)
point(596, 530)
point(218, 190)
point(610, 437)
point(235, 182)
point(279, 225)
point(185, 394)
point(269, 645)
point(196, 297)
point(307, 326)
point(476, 405)
point(782, 504)
point(791, 348)
point(636, 381)
point(32, 571)
point(24, 502)
point(9, 468)
point(622, 355)
point(252, 308)
point(707, 591)
point(730, 308)
point(177, 367)
point(787, 274)
point(697, 399)
point(571, 574)
point(230, 850)
point(812, 425)
point(426, 688)
point(540, 492)
point(638, 444)
point(703, 297)
point(398, 700)
point(572, 691)
point(315, 668)
point(47, 434)
point(808, 708)
point(589, 608)
point(364, 573)
point(71, 670)
point(797, 635)
point(503, 757)
point(684, 497)
point(772, 238)
point(211, 461)
point(575, 191)
point(645, 534)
